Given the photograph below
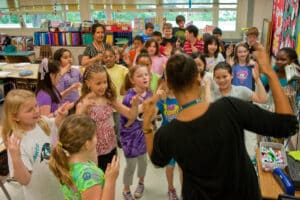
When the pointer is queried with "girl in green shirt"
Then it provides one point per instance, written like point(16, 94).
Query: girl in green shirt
point(73, 162)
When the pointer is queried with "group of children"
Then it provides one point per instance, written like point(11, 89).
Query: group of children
point(84, 152)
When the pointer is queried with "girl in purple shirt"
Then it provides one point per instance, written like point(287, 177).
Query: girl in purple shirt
point(132, 136)
point(48, 97)
point(71, 78)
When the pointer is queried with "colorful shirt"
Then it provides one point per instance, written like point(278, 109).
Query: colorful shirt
point(187, 47)
point(154, 82)
point(132, 137)
point(158, 62)
point(264, 79)
point(67, 80)
point(179, 33)
point(242, 76)
point(44, 99)
point(169, 109)
point(145, 37)
point(117, 74)
point(84, 175)
point(106, 138)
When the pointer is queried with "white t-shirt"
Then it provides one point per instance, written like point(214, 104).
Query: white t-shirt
point(35, 153)
point(239, 92)
point(211, 62)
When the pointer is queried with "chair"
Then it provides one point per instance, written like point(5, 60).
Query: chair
point(4, 171)
point(45, 52)
point(3, 179)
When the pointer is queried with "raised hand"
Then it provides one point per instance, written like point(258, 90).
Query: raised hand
point(150, 110)
point(262, 58)
point(65, 69)
point(12, 144)
point(76, 86)
point(86, 102)
point(64, 109)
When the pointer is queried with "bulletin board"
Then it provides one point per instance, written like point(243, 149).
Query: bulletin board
point(285, 16)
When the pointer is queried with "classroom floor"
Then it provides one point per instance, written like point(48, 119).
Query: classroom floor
point(155, 181)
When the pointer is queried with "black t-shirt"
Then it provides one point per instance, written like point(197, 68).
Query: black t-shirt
point(211, 149)
point(171, 40)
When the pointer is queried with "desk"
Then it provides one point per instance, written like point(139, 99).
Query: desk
point(20, 82)
point(18, 56)
point(14, 71)
point(269, 187)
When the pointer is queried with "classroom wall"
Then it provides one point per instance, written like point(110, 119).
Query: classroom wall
point(262, 9)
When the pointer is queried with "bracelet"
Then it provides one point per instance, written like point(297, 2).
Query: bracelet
point(149, 130)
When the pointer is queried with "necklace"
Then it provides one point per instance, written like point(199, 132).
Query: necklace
point(100, 48)
point(189, 104)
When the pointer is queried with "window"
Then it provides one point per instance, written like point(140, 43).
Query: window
point(34, 21)
point(73, 16)
point(199, 19)
point(10, 21)
point(130, 16)
point(99, 15)
point(227, 20)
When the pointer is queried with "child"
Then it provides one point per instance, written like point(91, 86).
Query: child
point(223, 77)
point(218, 33)
point(192, 44)
point(138, 44)
point(98, 87)
point(29, 138)
point(179, 32)
point(48, 96)
point(162, 50)
point(242, 66)
point(211, 53)
point(207, 82)
point(158, 60)
point(252, 36)
point(168, 38)
point(168, 107)
point(119, 56)
point(145, 59)
point(149, 27)
point(71, 78)
point(284, 57)
point(132, 137)
point(117, 74)
point(72, 162)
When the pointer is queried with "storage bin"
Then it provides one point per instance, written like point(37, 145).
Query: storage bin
point(272, 155)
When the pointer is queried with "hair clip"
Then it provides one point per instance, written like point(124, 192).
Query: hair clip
point(43, 68)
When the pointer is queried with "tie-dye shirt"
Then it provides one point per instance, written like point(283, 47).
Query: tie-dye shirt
point(85, 175)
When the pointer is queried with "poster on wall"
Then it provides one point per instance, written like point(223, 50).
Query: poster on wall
point(277, 15)
point(298, 36)
point(285, 15)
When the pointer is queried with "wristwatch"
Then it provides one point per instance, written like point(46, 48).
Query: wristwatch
point(148, 130)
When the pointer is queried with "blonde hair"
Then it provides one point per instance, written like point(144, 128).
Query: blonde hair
point(167, 26)
point(73, 134)
point(13, 101)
